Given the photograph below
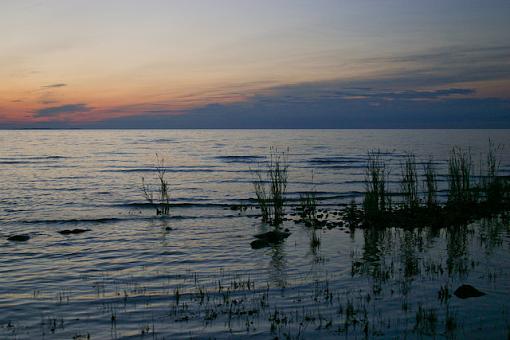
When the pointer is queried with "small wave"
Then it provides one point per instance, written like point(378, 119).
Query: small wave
point(173, 205)
point(347, 166)
point(74, 221)
point(336, 160)
point(18, 162)
point(240, 158)
point(32, 158)
point(163, 140)
point(176, 170)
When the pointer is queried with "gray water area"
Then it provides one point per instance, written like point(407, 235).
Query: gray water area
point(194, 275)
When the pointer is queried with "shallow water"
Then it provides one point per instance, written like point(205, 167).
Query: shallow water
point(129, 276)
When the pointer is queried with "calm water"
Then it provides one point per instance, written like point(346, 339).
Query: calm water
point(130, 277)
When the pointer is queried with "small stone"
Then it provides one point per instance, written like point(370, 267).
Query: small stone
point(467, 291)
point(273, 236)
point(18, 238)
point(72, 231)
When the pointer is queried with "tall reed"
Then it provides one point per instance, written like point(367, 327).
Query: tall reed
point(308, 205)
point(492, 183)
point(376, 196)
point(430, 183)
point(160, 197)
point(409, 182)
point(271, 186)
point(460, 168)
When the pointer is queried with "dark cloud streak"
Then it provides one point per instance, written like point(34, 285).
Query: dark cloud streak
point(62, 109)
point(52, 86)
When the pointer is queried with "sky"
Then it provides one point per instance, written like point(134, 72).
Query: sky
point(254, 64)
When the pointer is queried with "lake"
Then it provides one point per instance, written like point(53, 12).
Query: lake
point(193, 274)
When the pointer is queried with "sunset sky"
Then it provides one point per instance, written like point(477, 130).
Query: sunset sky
point(237, 63)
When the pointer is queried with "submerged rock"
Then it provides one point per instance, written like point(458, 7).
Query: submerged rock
point(257, 244)
point(18, 238)
point(273, 236)
point(467, 291)
point(72, 231)
point(269, 238)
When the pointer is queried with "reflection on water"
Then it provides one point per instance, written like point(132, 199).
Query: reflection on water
point(277, 270)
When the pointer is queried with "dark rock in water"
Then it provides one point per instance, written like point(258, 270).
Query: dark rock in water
point(273, 236)
point(270, 238)
point(72, 231)
point(18, 238)
point(257, 244)
point(168, 229)
point(467, 291)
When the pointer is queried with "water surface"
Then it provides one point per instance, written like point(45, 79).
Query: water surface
point(194, 273)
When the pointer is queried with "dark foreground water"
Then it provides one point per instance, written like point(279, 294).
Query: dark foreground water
point(194, 274)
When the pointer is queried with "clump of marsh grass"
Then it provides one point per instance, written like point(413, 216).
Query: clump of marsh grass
point(460, 187)
point(430, 183)
point(352, 214)
point(409, 182)
point(158, 197)
point(468, 199)
point(492, 183)
point(270, 187)
point(308, 206)
point(376, 195)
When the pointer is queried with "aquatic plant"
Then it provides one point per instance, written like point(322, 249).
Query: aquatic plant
point(468, 199)
point(430, 183)
point(492, 184)
point(270, 187)
point(308, 206)
point(409, 182)
point(376, 196)
point(460, 186)
point(159, 198)
point(352, 214)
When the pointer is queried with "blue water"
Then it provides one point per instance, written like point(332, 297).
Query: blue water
point(120, 279)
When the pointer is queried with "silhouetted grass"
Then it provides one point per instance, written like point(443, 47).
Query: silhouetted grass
point(430, 184)
point(270, 187)
point(159, 197)
point(375, 199)
point(493, 185)
point(467, 200)
point(308, 206)
point(409, 182)
point(460, 186)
